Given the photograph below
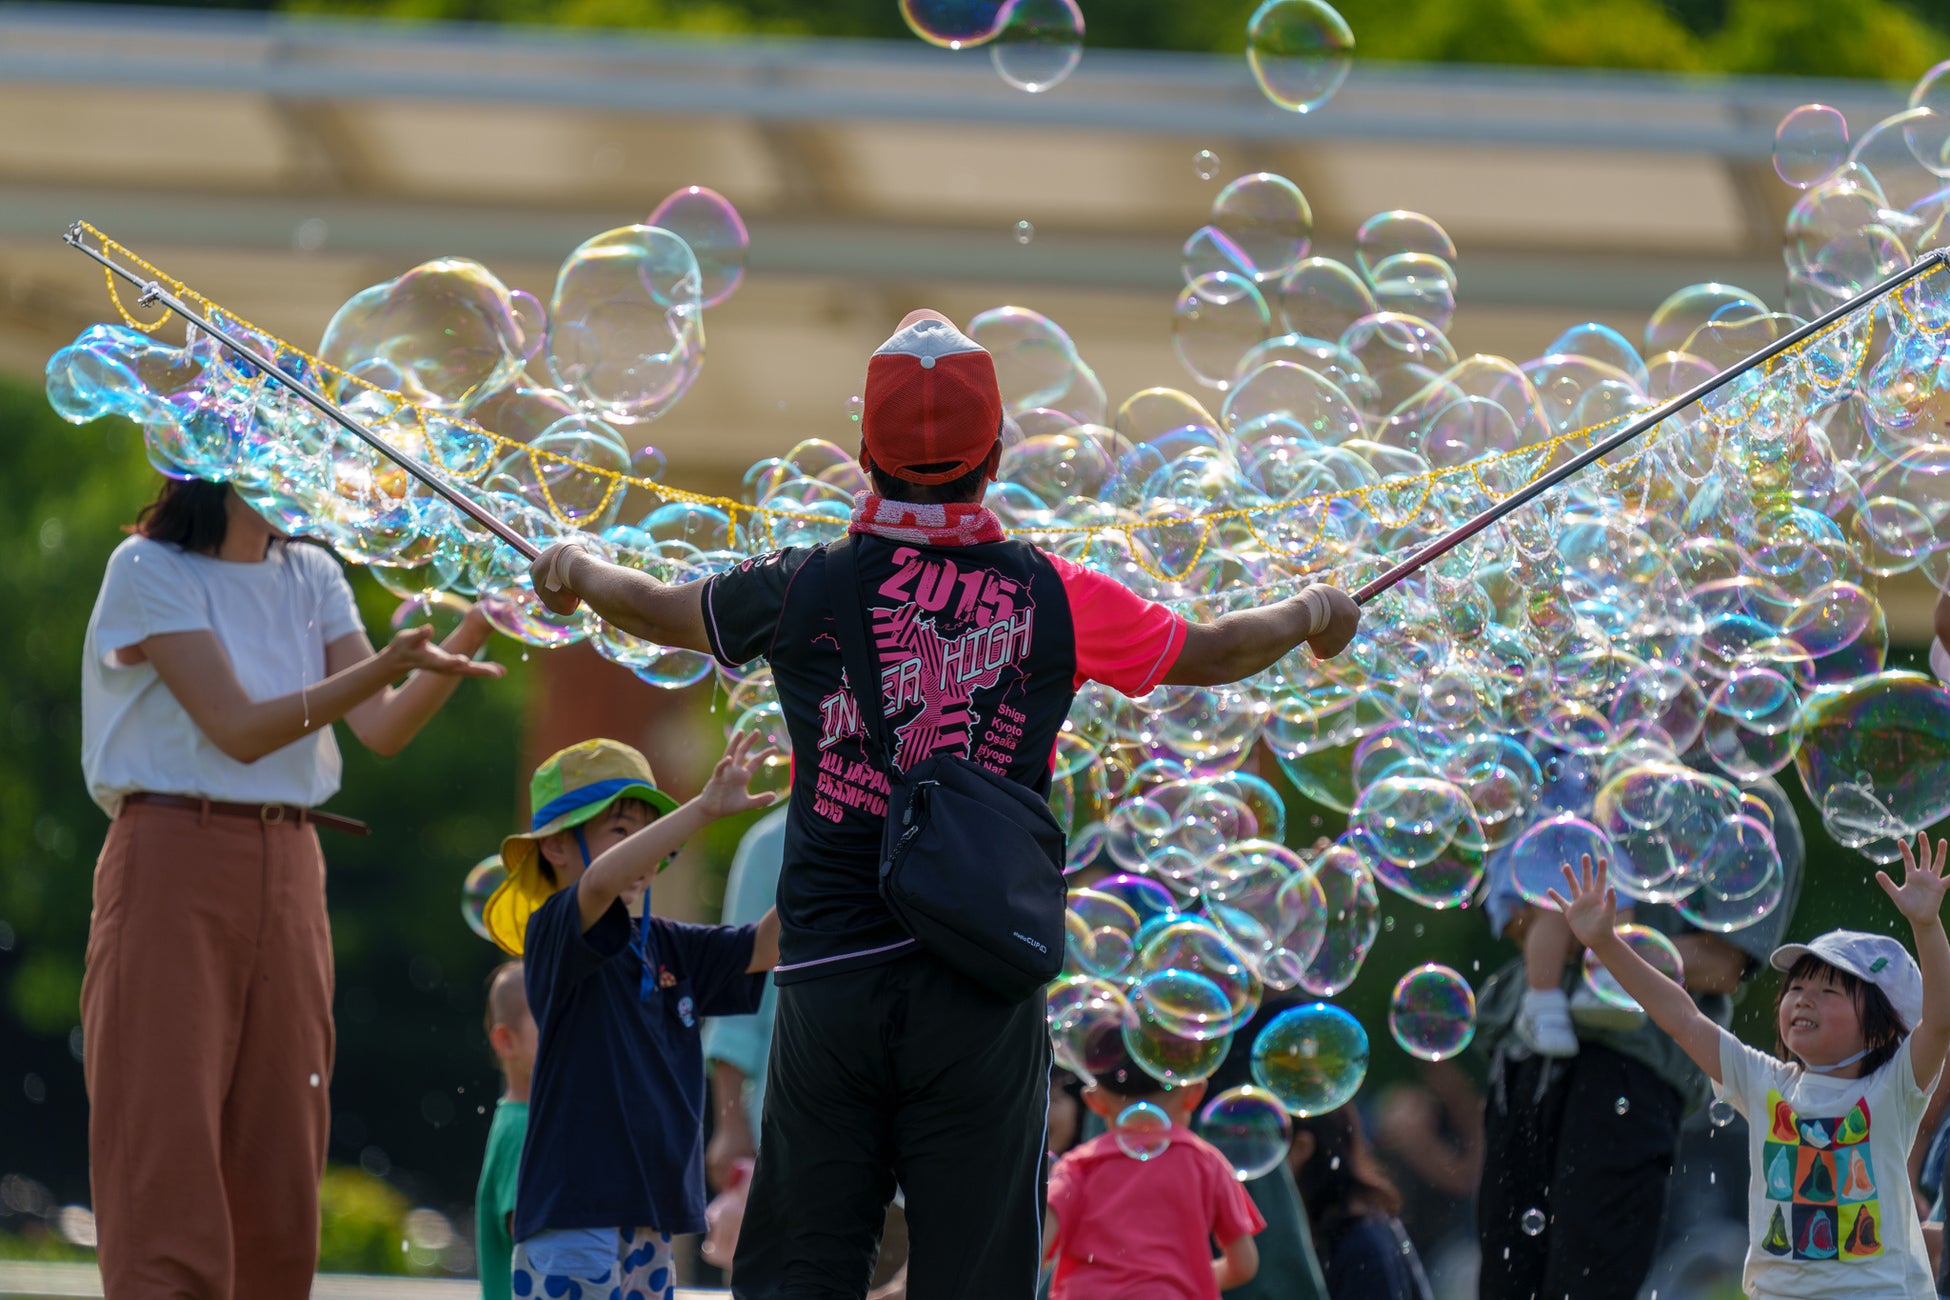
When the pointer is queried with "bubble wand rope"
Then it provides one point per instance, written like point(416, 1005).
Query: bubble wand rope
point(1449, 541)
point(153, 293)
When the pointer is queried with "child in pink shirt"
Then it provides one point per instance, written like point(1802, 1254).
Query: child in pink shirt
point(1120, 1227)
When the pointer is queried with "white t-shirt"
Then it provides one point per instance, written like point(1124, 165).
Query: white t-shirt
point(1829, 1210)
point(273, 619)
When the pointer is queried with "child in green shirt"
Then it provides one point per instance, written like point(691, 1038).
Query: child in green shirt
point(511, 1033)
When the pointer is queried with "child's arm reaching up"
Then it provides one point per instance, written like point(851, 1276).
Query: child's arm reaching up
point(1591, 908)
point(1920, 900)
point(724, 794)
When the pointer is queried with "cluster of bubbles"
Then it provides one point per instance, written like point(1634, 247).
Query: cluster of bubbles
point(1299, 51)
point(1607, 671)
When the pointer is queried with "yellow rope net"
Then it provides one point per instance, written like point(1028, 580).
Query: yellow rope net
point(1395, 501)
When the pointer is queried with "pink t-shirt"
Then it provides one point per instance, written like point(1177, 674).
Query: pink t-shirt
point(1122, 640)
point(1127, 1228)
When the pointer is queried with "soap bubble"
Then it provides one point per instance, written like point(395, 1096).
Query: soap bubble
point(1886, 736)
point(1810, 143)
point(1087, 1018)
point(1422, 839)
point(1023, 232)
point(1353, 921)
point(1657, 951)
point(1205, 164)
point(1037, 43)
point(1532, 1222)
point(1721, 1112)
point(1313, 1058)
point(445, 333)
point(1300, 52)
point(1432, 1013)
point(705, 220)
point(1538, 857)
point(952, 24)
point(626, 324)
point(1143, 1131)
point(483, 878)
point(1249, 1127)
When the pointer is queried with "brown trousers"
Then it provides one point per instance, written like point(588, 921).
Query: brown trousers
point(206, 1015)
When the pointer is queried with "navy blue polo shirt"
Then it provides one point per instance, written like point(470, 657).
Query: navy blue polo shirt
point(616, 1105)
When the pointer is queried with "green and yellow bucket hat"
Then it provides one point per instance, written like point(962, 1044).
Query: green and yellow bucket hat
point(572, 787)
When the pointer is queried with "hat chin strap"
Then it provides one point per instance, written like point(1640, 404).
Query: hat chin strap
point(1842, 1064)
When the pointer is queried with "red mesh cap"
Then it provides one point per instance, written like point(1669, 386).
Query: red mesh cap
point(931, 400)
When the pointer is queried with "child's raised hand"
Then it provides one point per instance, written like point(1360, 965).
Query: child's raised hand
point(1590, 907)
point(1920, 897)
point(726, 793)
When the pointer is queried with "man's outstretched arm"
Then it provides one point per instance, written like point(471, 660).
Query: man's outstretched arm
point(669, 614)
point(1235, 646)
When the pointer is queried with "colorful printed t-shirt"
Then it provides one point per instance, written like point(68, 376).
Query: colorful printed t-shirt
point(1829, 1211)
point(980, 650)
point(616, 1106)
point(1129, 1227)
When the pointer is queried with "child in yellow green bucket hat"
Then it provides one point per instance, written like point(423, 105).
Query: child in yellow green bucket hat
point(613, 1164)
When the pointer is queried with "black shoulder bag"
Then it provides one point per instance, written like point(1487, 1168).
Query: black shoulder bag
point(971, 863)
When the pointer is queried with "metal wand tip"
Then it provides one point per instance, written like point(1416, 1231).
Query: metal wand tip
point(151, 294)
point(73, 233)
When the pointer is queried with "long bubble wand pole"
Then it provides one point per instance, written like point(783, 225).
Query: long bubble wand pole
point(153, 292)
point(1449, 541)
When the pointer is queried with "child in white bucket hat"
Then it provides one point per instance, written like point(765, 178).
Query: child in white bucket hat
point(1861, 1030)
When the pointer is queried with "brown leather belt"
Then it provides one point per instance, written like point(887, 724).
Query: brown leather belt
point(271, 814)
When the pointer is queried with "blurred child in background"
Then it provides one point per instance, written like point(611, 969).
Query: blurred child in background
point(1363, 1247)
point(1119, 1226)
point(511, 1033)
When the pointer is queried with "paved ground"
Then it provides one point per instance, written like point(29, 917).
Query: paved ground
point(20, 1280)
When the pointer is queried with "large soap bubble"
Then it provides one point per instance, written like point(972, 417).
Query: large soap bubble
point(1037, 43)
point(626, 324)
point(1880, 742)
point(445, 334)
point(1313, 1058)
point(1249, 1127)
point(1300, 52)
point(1432, 1013)
point(707, 223)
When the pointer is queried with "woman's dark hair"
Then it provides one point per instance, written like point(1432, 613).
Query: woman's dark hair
point(188, 512)
point(1342, 1180)
point(1882, 1029)
point(964, 488)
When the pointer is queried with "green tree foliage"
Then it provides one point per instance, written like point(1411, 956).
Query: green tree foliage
point(1891, 39)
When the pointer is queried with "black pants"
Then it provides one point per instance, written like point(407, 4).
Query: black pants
point(1555, 1142)
point(903, 1073)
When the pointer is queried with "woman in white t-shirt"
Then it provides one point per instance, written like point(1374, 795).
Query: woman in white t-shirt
point(1861, 1031)
point(217, 658)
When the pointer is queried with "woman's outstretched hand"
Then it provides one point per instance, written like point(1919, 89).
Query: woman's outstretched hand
point(1589, 904)
point(414, 650)
point(1920, 897)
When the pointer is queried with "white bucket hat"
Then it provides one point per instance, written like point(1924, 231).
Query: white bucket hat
point(1873, 958)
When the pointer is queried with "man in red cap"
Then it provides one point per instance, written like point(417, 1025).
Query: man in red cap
point(888, 1066)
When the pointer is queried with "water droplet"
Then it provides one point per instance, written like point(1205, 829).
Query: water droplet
point(314, 1080)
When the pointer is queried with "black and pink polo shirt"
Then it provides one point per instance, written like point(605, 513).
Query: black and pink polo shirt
point(980, 649)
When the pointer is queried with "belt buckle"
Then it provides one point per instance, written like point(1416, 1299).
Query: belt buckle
point(265, 814)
